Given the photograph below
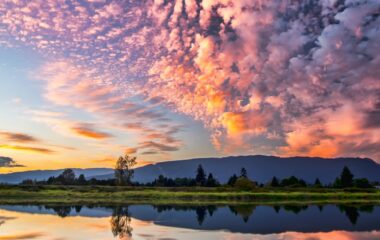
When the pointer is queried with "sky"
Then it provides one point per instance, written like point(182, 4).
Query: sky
point(85, 81)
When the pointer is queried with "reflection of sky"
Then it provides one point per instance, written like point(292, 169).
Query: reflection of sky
point(22, 225)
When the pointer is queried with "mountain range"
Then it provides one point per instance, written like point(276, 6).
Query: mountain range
point(260, 168)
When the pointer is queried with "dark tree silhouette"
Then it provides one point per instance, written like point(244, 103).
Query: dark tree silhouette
point(277, 208)
point(123, 170)
point(295, 208)
point(200, 178)
point(211, 209)
point(352, 213)
point(317, 183)
point(243, 173)
point(245, 211)
point(201, 214)
point(274, 182)
point(320, 207)
point(346, 178)
point(211, 181)
point(81, 180)
point(62, 211)
point(67, 177)
point(232, 180)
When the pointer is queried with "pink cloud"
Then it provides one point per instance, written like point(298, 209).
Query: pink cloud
point(247, 70)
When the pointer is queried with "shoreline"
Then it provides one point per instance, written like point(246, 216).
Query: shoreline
point(157, 195)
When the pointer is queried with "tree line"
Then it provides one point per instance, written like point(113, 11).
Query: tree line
point(124, 174)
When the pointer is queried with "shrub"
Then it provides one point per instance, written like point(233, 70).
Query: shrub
point(244, 184)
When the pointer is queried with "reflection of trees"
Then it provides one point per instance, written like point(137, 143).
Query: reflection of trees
point(320, 207)
point(201, 214)
point(121, 223)
point(200, 211)
point(276, 208)
point(211, 209)
point(351, 212)
point(295, 208)
point(366, 208)
point(78, 209)
point(62, 211)
point(245, 211)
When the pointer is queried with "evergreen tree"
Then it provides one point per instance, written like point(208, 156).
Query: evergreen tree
point(81, 180)
point(200, 178)
point(317, 183)
point(243, 173)
point(232, 180)
point(274, 182)
point(211, 181)
point(346, 178)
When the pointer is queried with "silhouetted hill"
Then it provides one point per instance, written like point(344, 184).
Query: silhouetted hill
point(261, 168)
point(14, 178)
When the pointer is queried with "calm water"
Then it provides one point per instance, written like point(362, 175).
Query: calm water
point(312, 222)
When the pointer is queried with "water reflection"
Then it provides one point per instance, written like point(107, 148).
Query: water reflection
point(121, 222)
point(234, 221)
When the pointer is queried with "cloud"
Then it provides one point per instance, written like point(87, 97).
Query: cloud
point(9, 162)
point(28, 149)
point(248, 70)
point(18, 137)
point(130, 150)
point(158, 146)
point(86, 130)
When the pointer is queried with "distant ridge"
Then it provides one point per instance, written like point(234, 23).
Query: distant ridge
point(260, 168)
point(17, 177)
point(263, 168)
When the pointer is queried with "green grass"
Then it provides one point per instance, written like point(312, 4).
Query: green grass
point(108, 194)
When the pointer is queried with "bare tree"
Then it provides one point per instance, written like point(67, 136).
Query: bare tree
point(123, 169)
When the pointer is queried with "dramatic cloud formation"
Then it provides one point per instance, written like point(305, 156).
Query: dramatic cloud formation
point(8, 162)
point(280, 77)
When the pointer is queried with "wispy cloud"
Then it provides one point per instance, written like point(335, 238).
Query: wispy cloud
point(9, 162)
point(87, 130)
point(18, 137)
point(28, 149)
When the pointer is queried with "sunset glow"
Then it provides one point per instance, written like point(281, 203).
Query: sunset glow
point(84, 81)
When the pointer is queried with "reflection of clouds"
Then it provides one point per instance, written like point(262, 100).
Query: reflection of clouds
point(4, 219)
point(339, 235)
point(334, 235)
point(32, 235)
point(52, 227)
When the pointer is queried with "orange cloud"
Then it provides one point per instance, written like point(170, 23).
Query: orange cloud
point(28, 149)
point(18, 137)
point(22, 236)
point(86, 130)
point(243, 122)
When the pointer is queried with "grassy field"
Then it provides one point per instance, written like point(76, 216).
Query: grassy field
point(109, 194)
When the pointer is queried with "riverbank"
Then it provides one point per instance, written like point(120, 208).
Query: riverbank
point(111, 194)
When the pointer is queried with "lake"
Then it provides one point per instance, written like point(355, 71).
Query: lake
point(168, 222)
